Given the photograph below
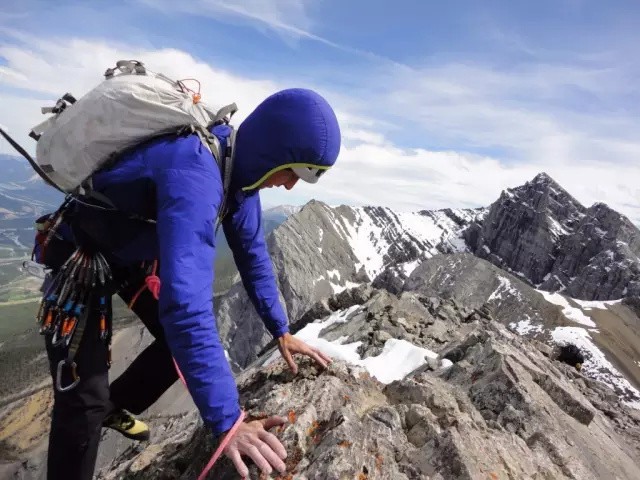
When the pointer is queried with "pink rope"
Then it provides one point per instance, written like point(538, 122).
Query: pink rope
point(180, 374)
point(153, 284)
point(222, 446)
point(227, 438)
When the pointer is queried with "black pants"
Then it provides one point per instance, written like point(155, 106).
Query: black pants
point(78, 414)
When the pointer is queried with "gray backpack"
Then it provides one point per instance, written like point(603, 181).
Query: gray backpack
point(132, 105)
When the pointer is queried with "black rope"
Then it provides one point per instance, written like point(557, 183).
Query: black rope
point(30, 159)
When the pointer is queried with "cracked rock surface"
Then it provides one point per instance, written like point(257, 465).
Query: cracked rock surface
point(502, 410)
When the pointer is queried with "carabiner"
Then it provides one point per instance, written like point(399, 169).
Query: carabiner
point(76, 378)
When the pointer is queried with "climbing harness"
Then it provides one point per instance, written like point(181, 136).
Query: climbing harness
point(82, 280)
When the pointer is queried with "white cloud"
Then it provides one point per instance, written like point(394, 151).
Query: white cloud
point(373, 174)
point(49, 68)
point(288, 17)
point(569, 113)
point(373, 168)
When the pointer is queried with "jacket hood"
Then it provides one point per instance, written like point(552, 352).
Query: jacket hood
point(292, 127)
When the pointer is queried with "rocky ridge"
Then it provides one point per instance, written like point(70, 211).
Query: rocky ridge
point(323, 250)
point(498, 408)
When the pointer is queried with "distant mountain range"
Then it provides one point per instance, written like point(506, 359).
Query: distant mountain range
point(23, 198)
point(539, 239)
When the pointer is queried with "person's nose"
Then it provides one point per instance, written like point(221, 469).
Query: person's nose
point(290, 184)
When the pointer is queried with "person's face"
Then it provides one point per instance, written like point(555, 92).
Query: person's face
point(284, 178)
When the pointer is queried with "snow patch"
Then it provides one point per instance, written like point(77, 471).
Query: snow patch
point(557, 229)
point(397, 359)
point(504, 287)
point(596, 364)
point(341, 288)
point(572, 313)
point(409, 267)
point(523, 327)
point(458, 245)
point(591, 304)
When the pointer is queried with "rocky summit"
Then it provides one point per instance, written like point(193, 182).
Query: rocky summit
point(433, 390)
point(543, 234)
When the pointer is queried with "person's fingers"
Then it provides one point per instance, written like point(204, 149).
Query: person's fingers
point(289, 359)
point(317, 358)
point(257, 457)
point(274, 421)
point(324, 356)
point(273, 442)
point(235, 457)
point(272, 457)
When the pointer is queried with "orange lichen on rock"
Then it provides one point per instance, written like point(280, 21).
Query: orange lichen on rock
point(363, 476)
point(292, 417)
point(493, 476)
point(364, 375)
point(379, 462)
point(344, 444)
point(312, 429)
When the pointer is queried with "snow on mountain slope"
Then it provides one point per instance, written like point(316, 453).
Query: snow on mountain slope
point(609, 343)
point(596, 364)
point(397, 359)
point(322, 250)
point(380, 237)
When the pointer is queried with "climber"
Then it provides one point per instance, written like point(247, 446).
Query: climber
point(571, 355)
point(175, 181)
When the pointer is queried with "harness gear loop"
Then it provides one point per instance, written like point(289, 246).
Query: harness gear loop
point(67, 304)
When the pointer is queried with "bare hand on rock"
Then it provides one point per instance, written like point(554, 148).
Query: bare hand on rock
point(253, 440)
point(288, 345)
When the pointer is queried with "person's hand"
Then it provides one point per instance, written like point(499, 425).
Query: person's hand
point(253, 440)
point(288, 345)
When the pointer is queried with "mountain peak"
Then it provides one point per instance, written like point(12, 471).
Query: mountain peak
point(540, 189)
point(284, 209)
point(543, 178)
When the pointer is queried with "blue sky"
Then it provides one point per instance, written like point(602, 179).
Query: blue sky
point(442, 104)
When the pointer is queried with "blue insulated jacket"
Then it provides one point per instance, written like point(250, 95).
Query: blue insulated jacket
point(177, 182)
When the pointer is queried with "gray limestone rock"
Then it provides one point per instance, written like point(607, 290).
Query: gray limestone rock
point(503, 410)
point(542, 233)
